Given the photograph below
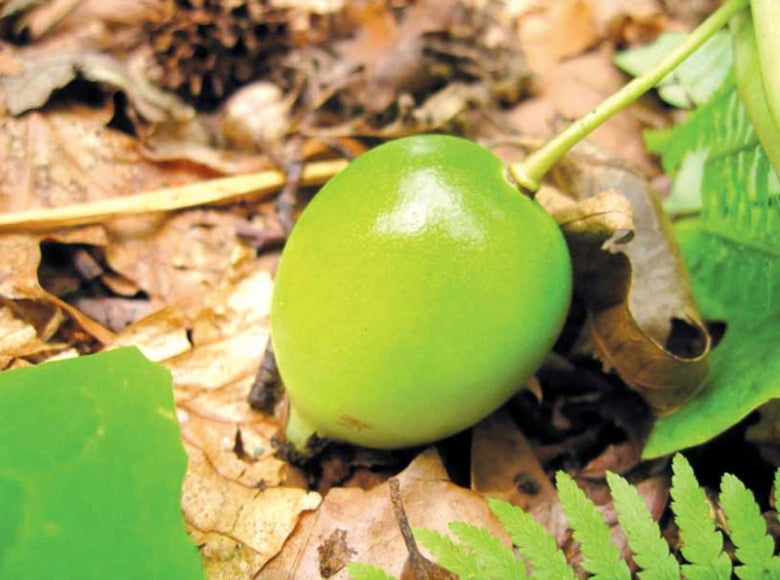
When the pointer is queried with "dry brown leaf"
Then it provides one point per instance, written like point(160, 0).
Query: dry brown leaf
point(70, 156)
point(617, 458)
point(570, 89)
point(188, 256)
point(552, 31)
point(48, 313)
point(391, 53)
point(213, 371)
point(196, 141)
point(72, 16)
point(159, 336)
point(370, 529)
point(212, 382)
point(505, 466)
point(643, 320)
point(429, 60)
point(18, 338)
point(43, 70)
point(238, 528)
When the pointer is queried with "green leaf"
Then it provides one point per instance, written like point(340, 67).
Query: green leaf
point(650, 550)
point(367, 572)
point(702, 545)
point(91, 468)
point(535, 544)
point(602, 558)
point(494, 559)
point(449, 554)
point(777, 494)
point(732, 252)
point(754, 547)
point(695, 80)
point(685, 196)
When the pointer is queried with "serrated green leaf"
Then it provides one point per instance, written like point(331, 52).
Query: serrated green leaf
point(358, 571)
point(602, 558)
point(695, 80)
point(777, 494)
point(448, 554)
point(747, 529)
point(535, 544)
point(702, 544)
point(732, 252)
point(91, 471)
point(650, 550)
point(495, 560)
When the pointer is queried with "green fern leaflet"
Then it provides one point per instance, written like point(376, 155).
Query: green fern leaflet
point(754, 547)
point(650, 551)
point(602, 558)
point(702, 545)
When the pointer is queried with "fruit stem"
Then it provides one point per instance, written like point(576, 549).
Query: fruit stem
point(298, 431)
point(529, 172)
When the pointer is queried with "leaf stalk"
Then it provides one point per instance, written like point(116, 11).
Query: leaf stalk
point(529, 172)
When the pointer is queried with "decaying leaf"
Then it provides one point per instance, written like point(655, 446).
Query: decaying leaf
point(186, 256)
point(39, 19)
point(213, 374)
point(369, 525)
point(21, 291)
point(572, 87)
point(643, 320)
point(505, 466)
point(44, 71)
point(552, 31)
point(238, 528)
point(69, 156)
point(411, 73)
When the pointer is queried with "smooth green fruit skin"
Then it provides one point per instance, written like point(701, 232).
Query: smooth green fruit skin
point(417, 293)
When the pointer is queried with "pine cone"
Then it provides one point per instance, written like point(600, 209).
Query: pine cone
point(205, 49)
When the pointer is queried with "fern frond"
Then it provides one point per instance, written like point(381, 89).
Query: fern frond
point(602, 558)
point(650, 550)
point(702, 544)
point(739, 189)
point(494, 559)
point(777, 494)
point(448, 554)
point(732, 251)
point(358, 571)
point(754, 547)
point(535, 544)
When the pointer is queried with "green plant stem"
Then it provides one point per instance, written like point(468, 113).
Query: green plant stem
point(529, 172)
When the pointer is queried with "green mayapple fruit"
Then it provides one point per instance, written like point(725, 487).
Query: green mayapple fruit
point(418, 292)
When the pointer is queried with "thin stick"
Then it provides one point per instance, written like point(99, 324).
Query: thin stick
point(528, 173)
point(214, 191)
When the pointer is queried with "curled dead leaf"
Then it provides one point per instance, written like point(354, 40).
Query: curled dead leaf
point(642, 317)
